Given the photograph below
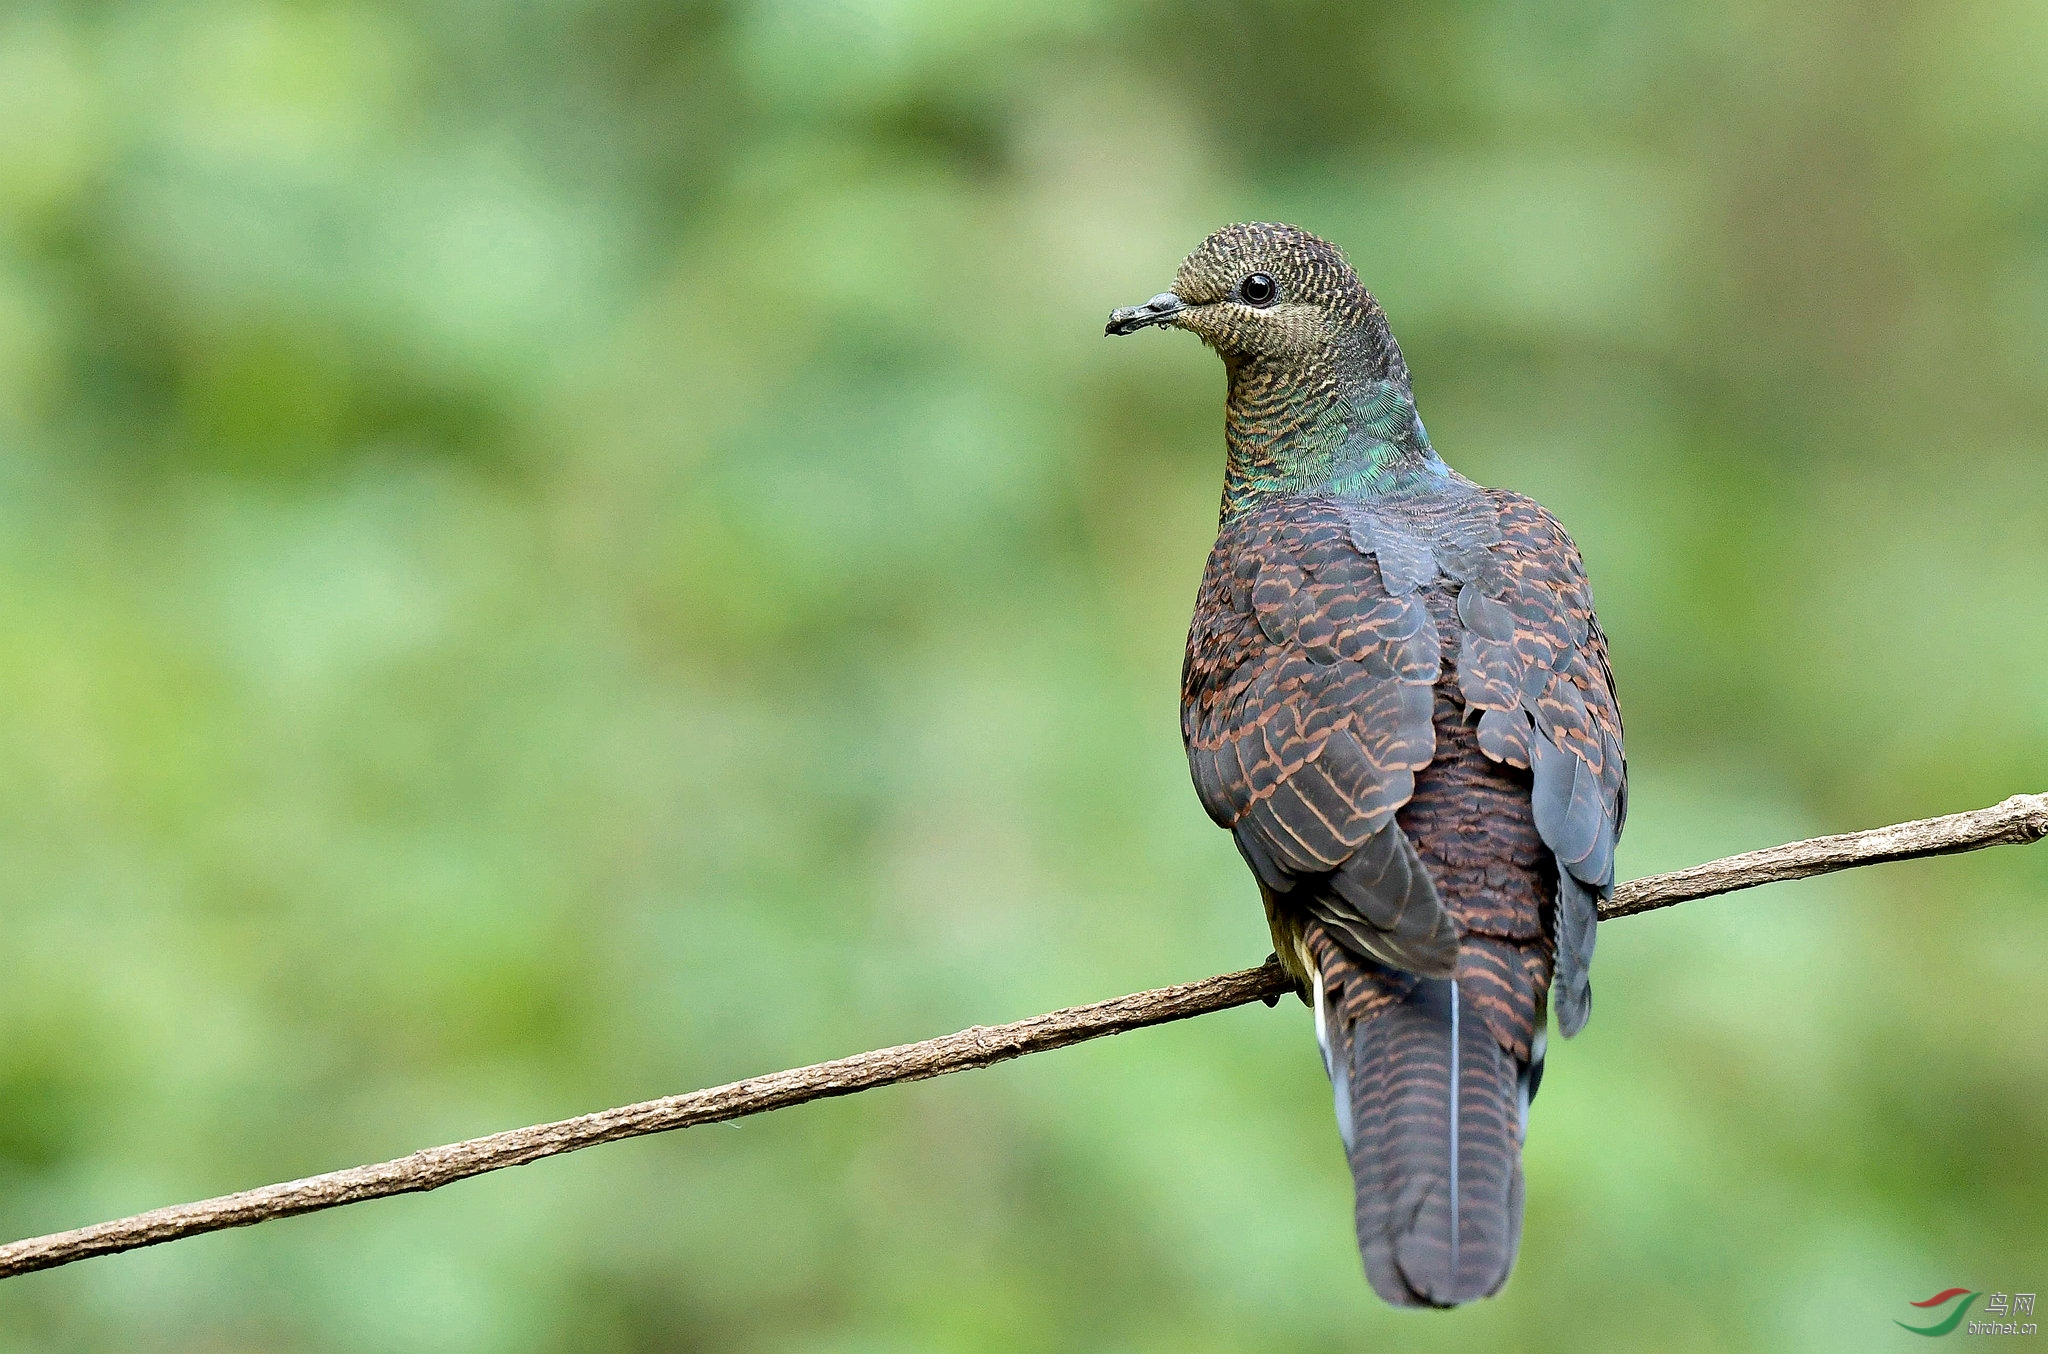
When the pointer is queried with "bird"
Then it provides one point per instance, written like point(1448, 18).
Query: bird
point(1397, 699)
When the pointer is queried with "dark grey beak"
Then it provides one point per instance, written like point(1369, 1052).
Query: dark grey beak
point(1159, 310)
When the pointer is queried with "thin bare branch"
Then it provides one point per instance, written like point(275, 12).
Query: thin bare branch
point(2017, 821)
point(2023, 818)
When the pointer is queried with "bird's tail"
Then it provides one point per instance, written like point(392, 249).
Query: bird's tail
point(1431, 1109)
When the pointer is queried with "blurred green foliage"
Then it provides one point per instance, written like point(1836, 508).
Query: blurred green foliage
point(556, 553)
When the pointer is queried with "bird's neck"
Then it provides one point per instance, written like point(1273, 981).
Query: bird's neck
point(1326, 431)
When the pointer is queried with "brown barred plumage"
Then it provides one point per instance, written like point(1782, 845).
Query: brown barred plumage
point(1398, 700)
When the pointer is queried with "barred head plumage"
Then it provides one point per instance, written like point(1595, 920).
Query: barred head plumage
point(1319, 395)
point(1275, 295)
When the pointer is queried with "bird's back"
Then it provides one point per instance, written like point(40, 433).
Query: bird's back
point(1373, 692)
point(1472, 824)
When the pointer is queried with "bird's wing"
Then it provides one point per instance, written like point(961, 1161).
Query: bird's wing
point(1306, 705)
point(1533, 661)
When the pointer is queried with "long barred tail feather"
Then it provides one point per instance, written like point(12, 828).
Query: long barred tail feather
point(1438, 1175)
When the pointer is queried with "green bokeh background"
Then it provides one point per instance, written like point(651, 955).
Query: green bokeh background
point(556, 553)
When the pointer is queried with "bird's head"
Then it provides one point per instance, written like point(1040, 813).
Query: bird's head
point(1319, 397)
point(1271, 296)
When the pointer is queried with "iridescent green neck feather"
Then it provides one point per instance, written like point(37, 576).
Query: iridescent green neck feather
point(1327, 428)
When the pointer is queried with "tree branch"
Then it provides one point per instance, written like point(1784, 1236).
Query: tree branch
point(2021, 819)
point(2016, 822)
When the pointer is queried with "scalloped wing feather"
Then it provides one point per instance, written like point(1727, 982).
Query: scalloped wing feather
point(1307, 703)
point(1546, 696)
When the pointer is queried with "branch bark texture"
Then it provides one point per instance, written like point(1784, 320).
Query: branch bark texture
point(2021, 819)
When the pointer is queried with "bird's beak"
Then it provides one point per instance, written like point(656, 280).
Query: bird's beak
point(1159, 310)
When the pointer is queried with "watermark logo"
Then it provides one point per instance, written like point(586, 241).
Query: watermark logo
point(2000, 1314)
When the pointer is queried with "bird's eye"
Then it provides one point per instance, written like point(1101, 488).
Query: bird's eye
point(1257, 290)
